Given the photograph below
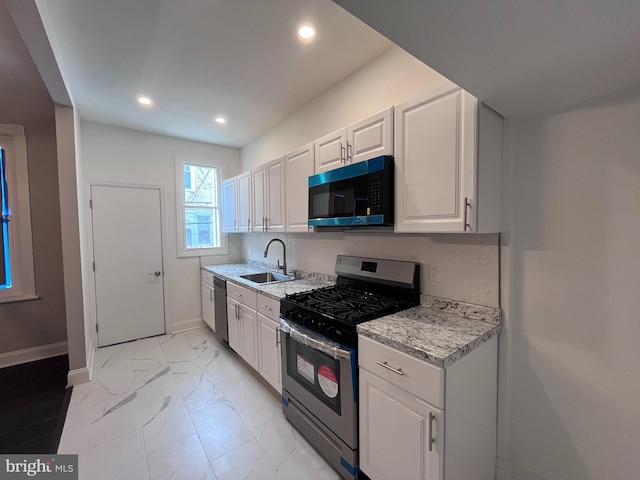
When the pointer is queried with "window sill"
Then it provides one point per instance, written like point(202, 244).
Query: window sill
point(19, 298)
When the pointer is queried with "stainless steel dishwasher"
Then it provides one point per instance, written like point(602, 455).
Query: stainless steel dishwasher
point(220, 295)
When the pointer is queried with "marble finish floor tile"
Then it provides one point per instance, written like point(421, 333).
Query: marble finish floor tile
point(181, 406)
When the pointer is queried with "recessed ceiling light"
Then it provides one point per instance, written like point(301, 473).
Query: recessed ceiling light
point(220, 120)
point(143, 100)
point(306, 32)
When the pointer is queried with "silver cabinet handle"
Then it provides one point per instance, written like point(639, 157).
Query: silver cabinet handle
point(237, 294)
point(467, 205)
point(266, 307)
point(211, 295)
point(155, 274)
point(349, 150)
point(237, 312)
point(386, 365)
point(277, 336)
point(343, 157)
point(431, 439)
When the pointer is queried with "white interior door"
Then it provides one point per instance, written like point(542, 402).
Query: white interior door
point(127, 249)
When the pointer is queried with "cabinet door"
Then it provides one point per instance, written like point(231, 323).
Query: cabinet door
point(208, 306)
point(259, 198)
point(249, 335)
point(228, 189)
point(331, 151)
point(435, 154)
point(299, 167)
point(233, 321)
point(275, 196)
point(244, 202)
point(371, 137)
point(394, 433)
point(269, 350)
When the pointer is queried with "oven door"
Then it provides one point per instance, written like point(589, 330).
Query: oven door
point(321, 376)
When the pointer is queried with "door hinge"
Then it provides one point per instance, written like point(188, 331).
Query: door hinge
point(90, 204)
point(94, 266)
point(96, 328)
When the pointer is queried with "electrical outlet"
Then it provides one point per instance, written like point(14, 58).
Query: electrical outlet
point(435, 272)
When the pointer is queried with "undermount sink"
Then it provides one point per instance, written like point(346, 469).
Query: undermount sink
point(267, 277)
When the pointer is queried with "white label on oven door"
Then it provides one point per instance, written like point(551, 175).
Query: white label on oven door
point(328, 381)
point(305, 368)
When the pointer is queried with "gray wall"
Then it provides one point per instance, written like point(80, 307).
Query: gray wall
point(25, 101)
point(570, 388)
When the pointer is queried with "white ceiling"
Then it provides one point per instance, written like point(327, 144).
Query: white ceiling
point(200, 58)
point(521, 58)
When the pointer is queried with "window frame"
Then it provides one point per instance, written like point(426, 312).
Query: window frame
point(183, 251)
point(14, 142)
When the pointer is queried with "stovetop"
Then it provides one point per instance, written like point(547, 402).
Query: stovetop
point(367, 289)
point(349, 304)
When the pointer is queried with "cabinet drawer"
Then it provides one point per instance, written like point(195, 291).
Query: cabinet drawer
point(207, 277)
point(241, 294)
point(415, 376)
point(269, 307)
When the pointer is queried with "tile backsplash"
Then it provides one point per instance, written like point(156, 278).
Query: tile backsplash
point(469, 263)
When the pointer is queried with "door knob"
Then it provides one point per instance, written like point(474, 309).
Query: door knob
point(155, 274)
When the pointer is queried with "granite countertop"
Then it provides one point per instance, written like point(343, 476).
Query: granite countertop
point(303, 280)
point(439, 332)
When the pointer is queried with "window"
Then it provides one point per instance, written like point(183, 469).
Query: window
point(16, 254)
point(198, 186)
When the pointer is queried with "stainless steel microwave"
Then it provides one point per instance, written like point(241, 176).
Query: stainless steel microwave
point(360, 194)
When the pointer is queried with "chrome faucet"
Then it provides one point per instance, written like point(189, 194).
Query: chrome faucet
point(282, 267)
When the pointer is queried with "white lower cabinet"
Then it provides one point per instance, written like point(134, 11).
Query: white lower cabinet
point(269, 349)
point(421, 422)
point(395, 430)
point(269, 341)
point(208, 306)
point(242, 322)
point(254, 328)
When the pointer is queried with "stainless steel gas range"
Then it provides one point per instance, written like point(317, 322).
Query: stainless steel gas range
point(319, 350)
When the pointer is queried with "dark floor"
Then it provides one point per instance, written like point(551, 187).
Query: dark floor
point(33, 405)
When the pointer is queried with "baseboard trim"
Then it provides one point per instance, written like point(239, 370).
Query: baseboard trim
point(32, 354)
point(187, 325)
point(78, 376)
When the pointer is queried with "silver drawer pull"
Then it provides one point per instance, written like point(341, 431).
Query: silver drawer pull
point(266, 307)
point(386, 365)
point(237, 294)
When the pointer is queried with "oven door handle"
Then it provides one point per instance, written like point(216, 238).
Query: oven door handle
point(314, 341)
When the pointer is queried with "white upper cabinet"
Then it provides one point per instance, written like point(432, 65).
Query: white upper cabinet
point(244, 215)
point(331, 151)
point(229, 198)
point(259, 198)
point(299, 167)
point(363, 140)
point(371, 137)
point(447, 157)
point(268, 197)
point(275, 195)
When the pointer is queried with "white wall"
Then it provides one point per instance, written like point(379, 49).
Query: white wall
point(116, 154)
point(570, 389)
point(393, 77)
